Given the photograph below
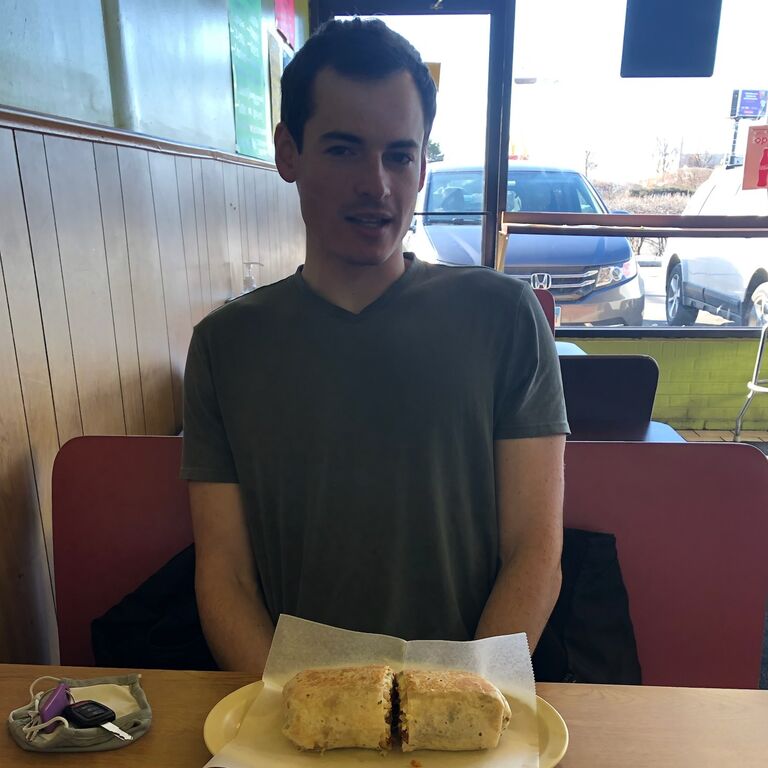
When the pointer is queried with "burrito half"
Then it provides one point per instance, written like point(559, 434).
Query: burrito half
point(336, 708)
point(449, 710)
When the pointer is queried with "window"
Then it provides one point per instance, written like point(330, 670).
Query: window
point(657, 146)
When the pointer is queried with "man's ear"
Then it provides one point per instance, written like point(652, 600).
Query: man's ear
point(286, 153)
point(423, 171)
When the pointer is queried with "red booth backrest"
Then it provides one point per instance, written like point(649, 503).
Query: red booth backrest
point(120, 511)
point(691, 528)
point(690, 521)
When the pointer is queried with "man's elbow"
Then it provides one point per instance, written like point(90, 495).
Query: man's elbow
point(556, 582)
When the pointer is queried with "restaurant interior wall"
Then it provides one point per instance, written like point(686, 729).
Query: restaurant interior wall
point(112, 246)
point(702, 378)
point(110, 254)
point(161, 69)
point(53, 59)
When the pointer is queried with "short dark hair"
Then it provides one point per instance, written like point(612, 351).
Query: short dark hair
point(358, 49)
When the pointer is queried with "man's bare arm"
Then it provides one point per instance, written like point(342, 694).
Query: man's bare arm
point(235, 622)
point(529, 500)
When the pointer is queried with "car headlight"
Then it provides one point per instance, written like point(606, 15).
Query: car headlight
point(616, 273)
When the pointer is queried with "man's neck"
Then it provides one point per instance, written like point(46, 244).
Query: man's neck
point(352, 286)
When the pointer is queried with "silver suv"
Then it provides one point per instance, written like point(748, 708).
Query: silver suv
point(722, 275)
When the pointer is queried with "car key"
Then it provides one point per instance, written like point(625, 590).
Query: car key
point(89, 714)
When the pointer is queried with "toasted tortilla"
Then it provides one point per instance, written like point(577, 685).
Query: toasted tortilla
point(338, 708)
point(449, 710)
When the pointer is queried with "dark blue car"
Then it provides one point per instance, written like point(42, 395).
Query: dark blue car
point(594, 280)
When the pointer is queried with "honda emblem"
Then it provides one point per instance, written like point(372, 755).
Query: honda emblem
point(541, 280)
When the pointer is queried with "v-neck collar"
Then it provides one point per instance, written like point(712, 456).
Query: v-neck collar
point(391, 293)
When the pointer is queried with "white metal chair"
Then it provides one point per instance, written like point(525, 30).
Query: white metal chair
point(755, 386)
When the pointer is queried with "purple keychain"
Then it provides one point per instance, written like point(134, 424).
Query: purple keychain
point(52, 705)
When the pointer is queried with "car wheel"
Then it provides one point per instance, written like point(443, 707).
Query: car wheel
point(755, 313)
point(677, 312)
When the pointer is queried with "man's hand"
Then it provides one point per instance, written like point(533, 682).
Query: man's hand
point(235, 622)
point(529, 502)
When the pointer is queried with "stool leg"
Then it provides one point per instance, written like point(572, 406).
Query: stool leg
point(755, 380)
point(740, 417)
point(760, 350)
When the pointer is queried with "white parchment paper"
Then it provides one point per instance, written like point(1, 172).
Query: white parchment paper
point(300, 644)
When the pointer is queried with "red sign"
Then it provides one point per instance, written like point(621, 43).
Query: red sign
point(756, 158)
point(285, 20)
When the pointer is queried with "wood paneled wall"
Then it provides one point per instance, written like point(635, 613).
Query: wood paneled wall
point(110, 252)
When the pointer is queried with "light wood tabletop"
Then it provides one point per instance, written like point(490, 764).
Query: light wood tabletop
point(180, 702)
point(609, 726)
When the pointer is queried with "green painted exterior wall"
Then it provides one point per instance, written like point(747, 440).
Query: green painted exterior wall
point(702, 382)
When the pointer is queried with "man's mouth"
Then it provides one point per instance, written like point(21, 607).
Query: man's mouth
point(369, 220)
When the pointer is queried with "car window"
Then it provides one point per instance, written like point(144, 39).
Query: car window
point(585, 204)
point(550, 192)
point(455, 192)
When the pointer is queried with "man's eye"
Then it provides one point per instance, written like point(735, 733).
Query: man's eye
point(339, 151)
point(401, 158)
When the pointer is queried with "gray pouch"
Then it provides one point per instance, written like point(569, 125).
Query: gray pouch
point(123, 694)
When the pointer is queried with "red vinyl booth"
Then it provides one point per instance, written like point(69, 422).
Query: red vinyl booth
point(120, 512)
point(689, 519)
point(691, 529)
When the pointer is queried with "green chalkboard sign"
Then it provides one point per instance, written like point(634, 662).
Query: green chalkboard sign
point(249, 78)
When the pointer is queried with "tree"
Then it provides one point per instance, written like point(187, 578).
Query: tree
point(702, 160)
point(665, 155)
point(589, 163)
point(434, 153)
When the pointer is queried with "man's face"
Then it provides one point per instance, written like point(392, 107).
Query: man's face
point(360, 168)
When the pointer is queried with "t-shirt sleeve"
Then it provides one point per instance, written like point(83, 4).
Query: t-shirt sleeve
point(529, 400)
point(207, 456)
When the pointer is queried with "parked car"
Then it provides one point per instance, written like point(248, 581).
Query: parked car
point(594, 280)
point(722, 275)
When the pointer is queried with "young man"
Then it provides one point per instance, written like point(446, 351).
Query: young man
point(374, 443)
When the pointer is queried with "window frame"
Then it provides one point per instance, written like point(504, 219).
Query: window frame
point(635, 225)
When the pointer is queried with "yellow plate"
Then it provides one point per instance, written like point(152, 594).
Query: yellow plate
point(223, 723)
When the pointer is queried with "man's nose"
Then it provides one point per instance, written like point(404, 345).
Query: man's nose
point(373, 180)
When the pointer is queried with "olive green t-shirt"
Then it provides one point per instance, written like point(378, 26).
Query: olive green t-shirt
point(363, 443)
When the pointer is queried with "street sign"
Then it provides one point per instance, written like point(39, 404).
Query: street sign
point(756, 158)
point(749, 104)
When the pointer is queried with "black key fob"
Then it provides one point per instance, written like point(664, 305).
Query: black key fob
point(88, 714)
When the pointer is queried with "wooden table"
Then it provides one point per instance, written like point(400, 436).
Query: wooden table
point(180, 702)
point(610, 726)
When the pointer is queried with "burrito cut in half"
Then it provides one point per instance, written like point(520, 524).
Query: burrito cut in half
point(449, 710)
point(337, 708)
